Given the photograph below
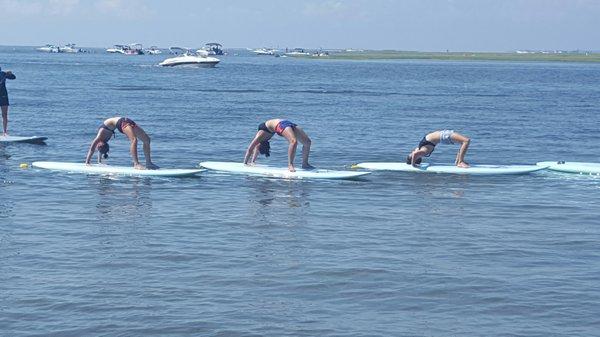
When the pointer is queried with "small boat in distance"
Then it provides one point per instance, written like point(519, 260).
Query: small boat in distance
point(134, 49)
point(117, 49)
point(49, 48)
point(188, 58)
point(264, 51)
point(153, 51)
point(214, 48)
point(69, 48)
point(131, 49)
point(296, 52)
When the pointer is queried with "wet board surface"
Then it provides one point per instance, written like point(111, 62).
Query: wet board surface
point(115, 170)
point(572, 167)
point(19, 139)
point(451, 169)
point(280, 172)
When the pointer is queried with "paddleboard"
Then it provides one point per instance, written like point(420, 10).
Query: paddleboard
point(115, 170)
point(451, 169)
point(572, 167)
point(279, 172)
point(17, 139)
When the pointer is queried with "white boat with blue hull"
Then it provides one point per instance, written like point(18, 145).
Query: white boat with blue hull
point(188, 58)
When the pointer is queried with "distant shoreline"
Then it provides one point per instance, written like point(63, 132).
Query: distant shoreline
point(462, 56)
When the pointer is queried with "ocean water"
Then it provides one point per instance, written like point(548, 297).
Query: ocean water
point(392, 254)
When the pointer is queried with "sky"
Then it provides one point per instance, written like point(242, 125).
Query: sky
point(420, 25)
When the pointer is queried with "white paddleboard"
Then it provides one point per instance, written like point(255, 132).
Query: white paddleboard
point(451, 169)
point(115, 170)
point(279, 172)
point(17, 139)
point(572, 167)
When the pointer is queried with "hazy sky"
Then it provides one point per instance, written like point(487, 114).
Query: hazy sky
point(425, 25)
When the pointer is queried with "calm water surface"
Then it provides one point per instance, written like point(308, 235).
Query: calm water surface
point(218, 255)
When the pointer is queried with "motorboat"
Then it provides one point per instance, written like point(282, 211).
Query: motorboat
point(117, 49)
point(214, 48)
point(296, 52)
point(320, 54)
point(264, 51)
point(49, 48)
point(69, 48)
point(186, 57)
point(153, 51)
point(133, 49)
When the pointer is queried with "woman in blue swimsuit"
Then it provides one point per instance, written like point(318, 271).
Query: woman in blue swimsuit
point(127, 127)
point(429, 142)
point(5, 75)
point(284, 128)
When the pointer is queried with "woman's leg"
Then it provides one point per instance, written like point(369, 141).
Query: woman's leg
point(141, 134)
point(5, 120)
point(306, 142)
point(290, 135)
point(464, 146)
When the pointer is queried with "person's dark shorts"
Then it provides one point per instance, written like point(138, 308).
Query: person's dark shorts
point(123, 122)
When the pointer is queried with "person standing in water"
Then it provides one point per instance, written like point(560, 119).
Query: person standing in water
point(127, 127)
point(5, 75)
point(290, 131)
point(429, 142)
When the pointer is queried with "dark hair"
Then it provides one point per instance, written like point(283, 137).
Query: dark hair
point(103, 148)
point(265, 148)
point(409, 160)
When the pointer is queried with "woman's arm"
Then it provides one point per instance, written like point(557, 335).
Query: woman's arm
point(252, 150)
point(416, 155)
point(255, 154)
point(91, 151)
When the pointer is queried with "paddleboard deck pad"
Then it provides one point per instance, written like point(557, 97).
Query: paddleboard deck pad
point(451, 169)
point(572, 167)
point(280, 172)
point(113, 170)
point(18, 139)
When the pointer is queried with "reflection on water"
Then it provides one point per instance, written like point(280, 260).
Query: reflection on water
point(3, 154)
point(442, 185)
point(279, 201)
point(275, 191)
point(123, 213)
point(123, 199)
